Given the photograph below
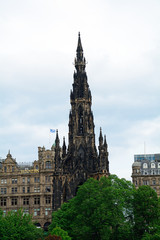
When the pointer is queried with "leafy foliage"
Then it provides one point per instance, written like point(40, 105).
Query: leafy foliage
point(61, 233)
point(53, 237)
point(18, 226)
point(146, 212)
point(101, 210)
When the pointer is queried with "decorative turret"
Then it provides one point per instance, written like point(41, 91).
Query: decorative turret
point(64, 148)
point(100, 138)
point(105, 142)
point(57, 152)
point(9, 154)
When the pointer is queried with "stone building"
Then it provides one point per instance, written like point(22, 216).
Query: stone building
point(28, 186)
point(146, 171)
point(54, 178)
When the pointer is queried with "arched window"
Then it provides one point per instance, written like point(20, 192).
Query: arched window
point(145, 165)
point(80, 120)
point(48, 165)
point(153, 165)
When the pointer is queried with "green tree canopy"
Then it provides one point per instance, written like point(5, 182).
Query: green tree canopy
point(101, 210)
point(18, 226)
point(60, 233)
point(146, 211)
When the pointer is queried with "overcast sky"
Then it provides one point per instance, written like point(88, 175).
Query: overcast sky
point(121, 43)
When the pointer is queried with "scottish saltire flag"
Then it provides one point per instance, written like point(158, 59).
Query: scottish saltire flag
point(52, 130)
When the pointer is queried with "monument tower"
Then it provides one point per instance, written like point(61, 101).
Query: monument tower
point(80, 161)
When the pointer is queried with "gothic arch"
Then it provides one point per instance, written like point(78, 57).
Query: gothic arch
point(80, 120)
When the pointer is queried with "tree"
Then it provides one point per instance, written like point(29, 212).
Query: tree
point(18, 226)
point(53, 237)
point(100, 210)
point(146, 212)
point(57, 231)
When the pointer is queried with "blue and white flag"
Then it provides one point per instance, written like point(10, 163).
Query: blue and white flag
point(52, 130)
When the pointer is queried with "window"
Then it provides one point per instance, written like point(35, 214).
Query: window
point(145, 172)
point(48, 199)
point(25, 211)
point(145, 182)
point(28, 179)
point(3, 181)
point(145, 165)
point(159, 165)
point(37, 200)
point(13, 201)
point(80, 120)
point(154, 182)
point(14, 180)
point(37, 167)
point(153, 172)
point(36, 179)
point(47, 178)
point(25, 201)
point(28, 189)
point(48, 188)
point(36, 189)
point(14, 190)
point(3, 201)
point(3, 190)
point(48, 165)
point(23, 189)
point(37, 212)
point(5, 169)
point(12, 168)
point(47, 211)
point(153, 165)
point(23, 180)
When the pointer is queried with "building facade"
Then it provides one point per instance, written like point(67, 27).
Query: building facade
point(146, 171)
point(28, 187)
point(55, 177)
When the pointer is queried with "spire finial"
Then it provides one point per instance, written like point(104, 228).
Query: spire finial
point(9, 154)
point(100, 137)
point(79, 46)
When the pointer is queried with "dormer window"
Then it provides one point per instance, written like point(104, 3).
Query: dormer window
point(153, 165)
point(12, 168)
point(145, 165)
point(5, 169)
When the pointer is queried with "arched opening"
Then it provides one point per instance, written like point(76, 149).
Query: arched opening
point(81, 152)
point(38, 225)
point(46, 225)
point(80, 120)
